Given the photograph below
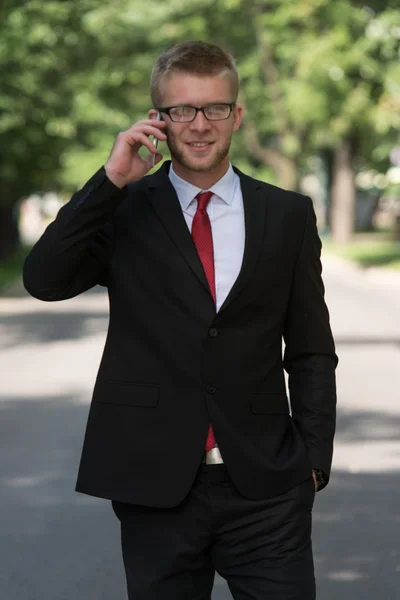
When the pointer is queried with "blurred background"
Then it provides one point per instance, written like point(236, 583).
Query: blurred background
point(320, 81)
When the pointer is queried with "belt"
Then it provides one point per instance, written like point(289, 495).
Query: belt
point(213, 457)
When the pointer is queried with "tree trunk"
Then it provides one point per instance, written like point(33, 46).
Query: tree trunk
point(284, 167)
point(288, 174)
point(327, 156)
point(9, 234)
point(397, 229)
point(343, 194)
point(364, 220)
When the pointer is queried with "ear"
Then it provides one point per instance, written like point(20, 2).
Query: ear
point(237, 116)
point(153, 113)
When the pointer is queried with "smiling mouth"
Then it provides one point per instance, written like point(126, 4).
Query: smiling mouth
point(199, 145)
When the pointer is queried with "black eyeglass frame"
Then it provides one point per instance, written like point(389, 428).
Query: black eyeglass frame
point(197, 109)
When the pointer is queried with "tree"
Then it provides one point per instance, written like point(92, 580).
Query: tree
point(54, 94)
point(39, 43)
point(317, 78)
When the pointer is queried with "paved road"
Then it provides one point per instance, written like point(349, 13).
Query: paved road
point(56, 544)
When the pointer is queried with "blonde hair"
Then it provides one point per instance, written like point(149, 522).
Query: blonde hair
point(193, 58)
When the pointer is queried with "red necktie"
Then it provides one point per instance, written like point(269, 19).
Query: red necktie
point(202, 237)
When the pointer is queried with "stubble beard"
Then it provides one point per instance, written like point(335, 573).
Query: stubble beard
point(199, 166)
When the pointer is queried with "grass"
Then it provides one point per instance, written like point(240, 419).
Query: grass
point(368, 250)
point(11, 268)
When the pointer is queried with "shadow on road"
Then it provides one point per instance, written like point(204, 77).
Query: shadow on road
point(49, 326)
point(366, 341)
point(356, 532)
point(57, 543)
point(357, 426)
point(54, 542)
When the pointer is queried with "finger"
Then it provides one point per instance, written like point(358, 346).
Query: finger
point(153, 123)
point(141, 138)
point(158, 122)
point(149, 130)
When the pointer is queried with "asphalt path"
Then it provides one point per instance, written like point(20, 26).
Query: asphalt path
point(56, 544)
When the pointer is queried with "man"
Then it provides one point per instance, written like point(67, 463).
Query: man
point(189, 432)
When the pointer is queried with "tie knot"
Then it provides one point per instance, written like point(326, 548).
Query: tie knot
point(203, 199)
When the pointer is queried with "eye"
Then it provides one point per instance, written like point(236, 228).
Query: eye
point(216, 112)
point(217, 109)
point(182, 112)
point(187, 111)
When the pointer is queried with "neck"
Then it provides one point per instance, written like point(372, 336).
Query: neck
point(201, 179)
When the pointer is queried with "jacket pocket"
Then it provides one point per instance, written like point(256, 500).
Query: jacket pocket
point(270, 404)
point(129, 394)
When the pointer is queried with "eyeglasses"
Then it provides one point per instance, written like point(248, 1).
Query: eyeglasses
point(186, 114)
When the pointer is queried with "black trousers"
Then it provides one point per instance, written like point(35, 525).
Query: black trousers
point(261, 547)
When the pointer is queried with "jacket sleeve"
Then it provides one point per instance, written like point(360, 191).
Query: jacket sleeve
point(73, 253)
point(310, 358)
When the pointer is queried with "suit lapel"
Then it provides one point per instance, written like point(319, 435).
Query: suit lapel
point(254, 216)
point(163, 198)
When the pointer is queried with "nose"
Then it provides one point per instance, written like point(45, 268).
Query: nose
point(200, 123)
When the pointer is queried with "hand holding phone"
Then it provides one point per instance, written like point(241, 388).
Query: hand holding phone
point(125, 163)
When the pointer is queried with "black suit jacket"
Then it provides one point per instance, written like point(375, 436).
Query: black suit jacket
point(171, 364)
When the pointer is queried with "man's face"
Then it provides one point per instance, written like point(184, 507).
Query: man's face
point(201, 145)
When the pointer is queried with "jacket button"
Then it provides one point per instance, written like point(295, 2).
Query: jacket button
point(211, 389)
point(213, 332)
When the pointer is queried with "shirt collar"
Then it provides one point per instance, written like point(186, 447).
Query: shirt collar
point(186, 192)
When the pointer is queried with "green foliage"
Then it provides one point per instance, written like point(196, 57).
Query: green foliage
point(74, 73)
point(368, 251)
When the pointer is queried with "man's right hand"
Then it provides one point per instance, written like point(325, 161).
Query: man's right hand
point(124, 164)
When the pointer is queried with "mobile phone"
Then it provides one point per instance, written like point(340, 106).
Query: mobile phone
point(156, 140)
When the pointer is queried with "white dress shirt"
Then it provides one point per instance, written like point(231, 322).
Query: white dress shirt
point(226, 214)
